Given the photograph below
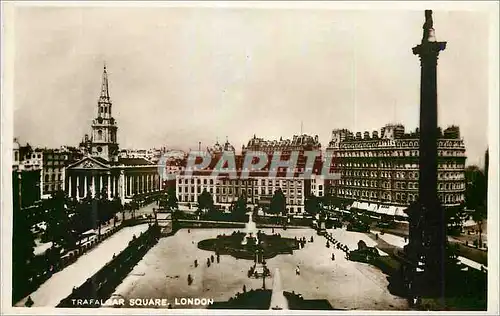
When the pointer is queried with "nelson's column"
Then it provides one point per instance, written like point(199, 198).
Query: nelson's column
point(427, 236)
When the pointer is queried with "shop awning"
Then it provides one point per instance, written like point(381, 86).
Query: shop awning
point(400, 211)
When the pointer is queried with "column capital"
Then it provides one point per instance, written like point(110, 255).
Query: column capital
point(429, 49)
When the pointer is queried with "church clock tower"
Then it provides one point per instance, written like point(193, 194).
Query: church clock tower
point(104, 128)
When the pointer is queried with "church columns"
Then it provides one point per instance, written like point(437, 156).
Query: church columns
point(143, 186)
point(122, 181)
point(85, 185)
point(78, 193)
point(100, 185)
point(129, 191)
point(115, 181)
point(137, 184)
point(161, 182)
point(93, 186)
point(126, 184)
point(69, 186)
point(109, 187)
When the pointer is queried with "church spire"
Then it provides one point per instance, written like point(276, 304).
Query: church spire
point(104, 87)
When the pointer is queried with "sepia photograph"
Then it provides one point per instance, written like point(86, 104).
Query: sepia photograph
point(254, 156)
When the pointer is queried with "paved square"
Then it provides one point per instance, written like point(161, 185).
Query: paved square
point(164, 270)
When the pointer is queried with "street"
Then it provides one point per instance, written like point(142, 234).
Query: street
point(60, 285)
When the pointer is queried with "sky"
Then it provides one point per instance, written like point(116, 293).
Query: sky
point(179, 76)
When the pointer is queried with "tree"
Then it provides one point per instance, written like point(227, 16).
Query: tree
point(205, 201)
point(278, 202)
point(476, 196)
point(476, 187)
point(172, 199)
point(58, 224)
point(23, 243)
point(133, 207)
point(239, 208)
point(118, 206)
point(479, 215)
point(313, 205)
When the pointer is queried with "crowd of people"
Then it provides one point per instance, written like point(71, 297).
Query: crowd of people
point(338, 245)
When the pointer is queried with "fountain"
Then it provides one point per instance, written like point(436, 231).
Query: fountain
point(250, 244)
point(251, 231)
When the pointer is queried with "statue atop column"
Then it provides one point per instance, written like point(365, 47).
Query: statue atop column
point(428, 35)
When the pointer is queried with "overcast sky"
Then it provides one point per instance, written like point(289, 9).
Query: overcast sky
point(183, 75)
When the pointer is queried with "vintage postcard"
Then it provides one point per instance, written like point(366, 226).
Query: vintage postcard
point(249, 157)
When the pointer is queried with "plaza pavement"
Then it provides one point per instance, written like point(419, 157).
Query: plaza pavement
point(163, 272)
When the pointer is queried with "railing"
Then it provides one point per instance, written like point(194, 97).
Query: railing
point(102, 284)
point(53, 266)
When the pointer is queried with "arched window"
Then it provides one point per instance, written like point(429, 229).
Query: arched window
point(99, 135)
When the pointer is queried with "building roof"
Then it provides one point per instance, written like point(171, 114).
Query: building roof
point(133, 161)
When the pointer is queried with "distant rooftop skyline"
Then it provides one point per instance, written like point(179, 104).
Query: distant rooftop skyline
point(178, 76)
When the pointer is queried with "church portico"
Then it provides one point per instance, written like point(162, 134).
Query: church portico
point(102, 174)
point(91, 178)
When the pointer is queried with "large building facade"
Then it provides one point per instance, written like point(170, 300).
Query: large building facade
point(385, 169)
point(50, 162)
point(102, 173)
point(258, 187)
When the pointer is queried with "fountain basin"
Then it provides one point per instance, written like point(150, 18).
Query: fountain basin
point(234, 245)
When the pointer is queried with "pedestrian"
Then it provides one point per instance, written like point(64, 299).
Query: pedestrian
point(244, 288)
point(189, 231)
point(333, 257)
point(29, 302)
point(297, 270)
point(212, 258)
point(218, 258)
point(195, 263)
point(190, 279)
point(376, 236)
point(405, 239)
